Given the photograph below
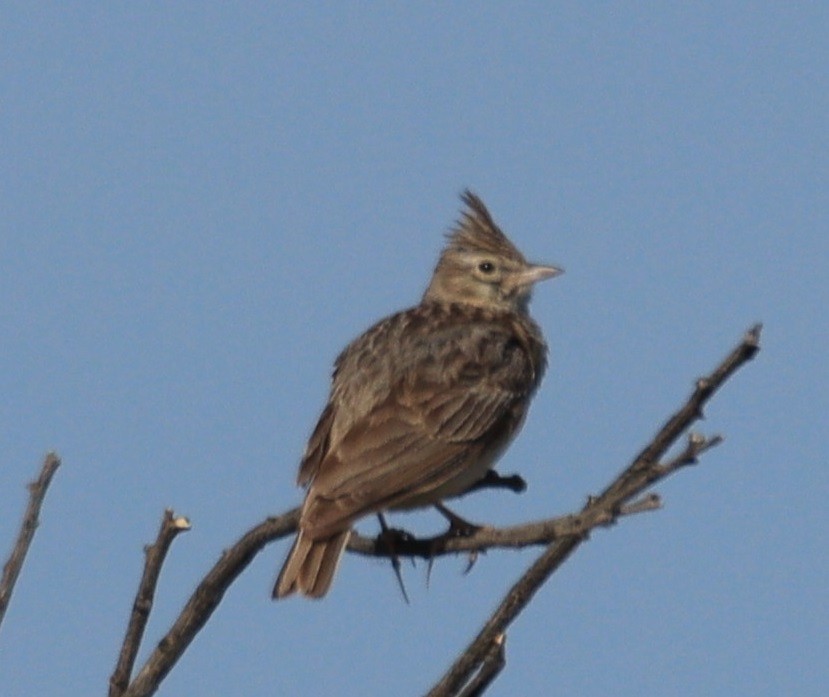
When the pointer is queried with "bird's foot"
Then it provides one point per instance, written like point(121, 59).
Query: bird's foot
point(392, 539)
point(492, 480)
point(458, 527)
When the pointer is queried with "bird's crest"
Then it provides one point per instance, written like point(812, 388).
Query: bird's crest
point(476, 231)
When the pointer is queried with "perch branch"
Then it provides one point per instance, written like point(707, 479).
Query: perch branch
point(639, 475)
point(478, 665)
point(513, 537)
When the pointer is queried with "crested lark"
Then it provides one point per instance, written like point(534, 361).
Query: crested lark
point(425, 401)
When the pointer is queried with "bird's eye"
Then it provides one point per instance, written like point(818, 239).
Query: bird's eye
point(486, 267)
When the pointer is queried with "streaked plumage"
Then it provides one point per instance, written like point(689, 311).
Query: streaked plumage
point(424, 402)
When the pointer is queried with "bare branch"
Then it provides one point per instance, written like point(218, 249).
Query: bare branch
point(689, 413)
point(171, 526)
point(494, 662)
point(37, 492)
point(640, 474)
point(205, 599)
point(514, 537)
point(477, 666)
point(233, 562)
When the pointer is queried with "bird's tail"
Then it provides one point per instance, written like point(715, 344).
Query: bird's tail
point(311, 565)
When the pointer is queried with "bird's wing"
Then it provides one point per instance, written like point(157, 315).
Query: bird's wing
point(317, 446)
point(458, 398)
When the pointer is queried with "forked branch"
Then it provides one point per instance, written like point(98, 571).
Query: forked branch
point(643, 472)
point(484, 658)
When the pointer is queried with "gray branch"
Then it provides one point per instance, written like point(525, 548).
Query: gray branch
point(171, 526)
point(37, 492)
point(644, 471)
point(484, 658)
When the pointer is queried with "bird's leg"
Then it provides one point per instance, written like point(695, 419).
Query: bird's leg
point(389, 537)
point(458, 527)
point(493, 480)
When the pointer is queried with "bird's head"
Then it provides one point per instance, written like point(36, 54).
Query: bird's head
point(480, 266)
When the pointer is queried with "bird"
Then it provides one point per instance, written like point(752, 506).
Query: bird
point(424, 402)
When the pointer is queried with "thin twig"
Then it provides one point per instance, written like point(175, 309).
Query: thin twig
point(205, 599)
point(494, 662)
point(639, 475)
point(171, 526)
point(37, 492)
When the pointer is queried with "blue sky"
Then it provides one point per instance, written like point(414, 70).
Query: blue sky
point(203, 202)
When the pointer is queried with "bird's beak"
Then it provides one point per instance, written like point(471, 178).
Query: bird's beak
point(534, 273)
